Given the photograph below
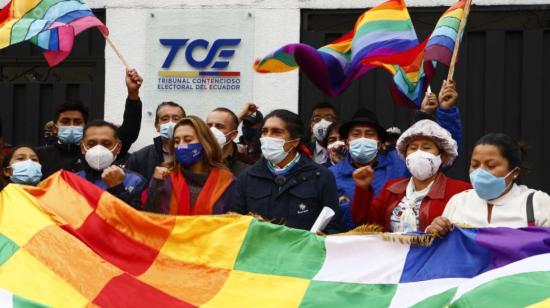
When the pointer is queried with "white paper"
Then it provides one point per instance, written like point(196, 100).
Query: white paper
point(322, 221)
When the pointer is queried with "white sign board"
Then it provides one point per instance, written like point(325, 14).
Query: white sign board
point(200, 59)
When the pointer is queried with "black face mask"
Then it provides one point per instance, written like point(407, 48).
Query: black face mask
point(250, 134)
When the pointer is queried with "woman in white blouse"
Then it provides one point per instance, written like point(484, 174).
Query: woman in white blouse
point(496, 200)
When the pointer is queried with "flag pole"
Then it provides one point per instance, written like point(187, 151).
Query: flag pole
point(117, 52)
point(459, 38)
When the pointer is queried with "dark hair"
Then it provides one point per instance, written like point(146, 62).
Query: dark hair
point(514, 151)
point(293, 122)
point(234, 117)
point(72, 105)
point(325, 105)
point(171, 104)
point(101, 123)
point(332, 127)
point(9, 155)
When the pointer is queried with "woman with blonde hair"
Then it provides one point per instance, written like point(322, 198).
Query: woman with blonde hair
point(194, 180)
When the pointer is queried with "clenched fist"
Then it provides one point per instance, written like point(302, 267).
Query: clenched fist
point(113, 176)
point(161, 173)
point(448, 94)
point(363, 177)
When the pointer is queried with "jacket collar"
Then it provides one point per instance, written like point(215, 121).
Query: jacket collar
point(158, 145)
point(260, 169)
point(436, 192)
point(70, 148)
point(347, 168)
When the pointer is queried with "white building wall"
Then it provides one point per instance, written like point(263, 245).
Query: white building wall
point(277, 22)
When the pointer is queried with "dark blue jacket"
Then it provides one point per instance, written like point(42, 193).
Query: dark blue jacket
point(128, 191)
point(389, 166)
point(145, 160)
point(294, 200)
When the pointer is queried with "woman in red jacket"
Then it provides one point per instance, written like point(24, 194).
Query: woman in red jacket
point(410, 204)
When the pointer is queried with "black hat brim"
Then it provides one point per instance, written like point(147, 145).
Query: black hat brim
point(346, 127)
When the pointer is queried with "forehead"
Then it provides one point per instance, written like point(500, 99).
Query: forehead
point(24, 151)
point(274, 122)
point(486, 152)
point(323, 111)
point(167, 109)
point(420, 140)
point(218, 117)
point(363, 128)
point(102, 132)
point(185, 130)
point(73, 114)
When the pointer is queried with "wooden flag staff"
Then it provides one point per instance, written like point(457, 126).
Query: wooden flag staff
point(117, 52)
point(459, 38)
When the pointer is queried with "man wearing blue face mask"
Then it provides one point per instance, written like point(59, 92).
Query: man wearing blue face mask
point(69, 122)
point(144, 161)
point(364, 138)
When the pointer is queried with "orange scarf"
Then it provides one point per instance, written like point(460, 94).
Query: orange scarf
point(180, 202)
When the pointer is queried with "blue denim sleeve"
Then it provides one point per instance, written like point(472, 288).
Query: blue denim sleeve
point(451, 121)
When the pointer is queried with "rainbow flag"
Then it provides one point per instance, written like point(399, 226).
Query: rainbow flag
point(442, 41)
point(69, 244)
point(50, 24)
point(383, 30)
point(413, 69)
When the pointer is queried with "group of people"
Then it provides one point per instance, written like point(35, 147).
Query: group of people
point(286, 172)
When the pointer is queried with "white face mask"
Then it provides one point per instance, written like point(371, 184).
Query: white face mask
point(273, 149)
point(99, 157)
point(221, 138)
point(423, 165)
point(320, 129)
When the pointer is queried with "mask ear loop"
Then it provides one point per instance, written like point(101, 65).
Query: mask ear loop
point(513, 180)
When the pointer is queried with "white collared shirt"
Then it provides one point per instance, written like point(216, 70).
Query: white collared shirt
point(509, 210)
point(320, 154)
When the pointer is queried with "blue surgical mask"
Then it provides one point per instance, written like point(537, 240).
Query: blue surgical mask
point(70, 134)
point(167, 130)
point(26, 172)
point(363, 150)
point(189, 154)
point(488, 186)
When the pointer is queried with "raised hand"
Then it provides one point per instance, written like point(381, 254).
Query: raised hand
point(448, 95)
point(363, 177)
point(133, 83)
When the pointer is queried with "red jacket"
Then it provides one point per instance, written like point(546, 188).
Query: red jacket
point(365, 210)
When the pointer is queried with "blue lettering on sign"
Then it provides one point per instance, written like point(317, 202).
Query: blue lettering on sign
point(225, 53)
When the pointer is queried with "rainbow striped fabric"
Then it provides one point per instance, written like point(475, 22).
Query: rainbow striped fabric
point(383, 30)
point(69, 244)
point(50, 24)
point(383, 37)
point(411, 79)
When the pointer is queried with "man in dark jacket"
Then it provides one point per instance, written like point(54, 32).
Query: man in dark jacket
point(69, 124)
point(148, 158)
point(322, 116)
point(100, 145)
point(224, 125)
point(286, 187)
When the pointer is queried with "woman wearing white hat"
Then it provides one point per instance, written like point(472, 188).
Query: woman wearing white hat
point(410, 204)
